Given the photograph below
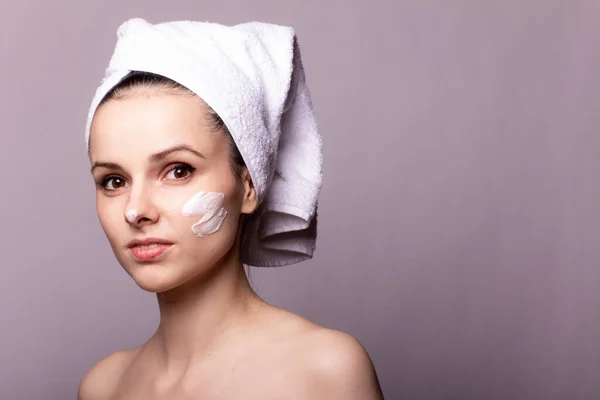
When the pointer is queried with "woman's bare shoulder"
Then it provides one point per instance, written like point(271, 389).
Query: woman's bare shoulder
point(100, 381)
point(339, 365)
point(335, 362)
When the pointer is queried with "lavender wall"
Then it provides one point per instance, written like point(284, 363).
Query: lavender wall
point(459, 223)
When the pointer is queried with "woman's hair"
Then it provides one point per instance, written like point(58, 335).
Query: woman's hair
point(138, 80)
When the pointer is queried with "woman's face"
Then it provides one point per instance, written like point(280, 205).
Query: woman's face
point(151, 152)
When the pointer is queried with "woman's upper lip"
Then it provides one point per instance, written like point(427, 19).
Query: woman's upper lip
point(147, 242)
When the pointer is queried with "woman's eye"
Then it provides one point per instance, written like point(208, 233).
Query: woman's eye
point(180, 171)
point(113, 183)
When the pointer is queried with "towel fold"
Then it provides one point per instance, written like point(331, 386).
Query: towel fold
point(252, 76)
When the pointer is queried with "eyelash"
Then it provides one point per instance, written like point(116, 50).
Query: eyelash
point(184, 166)
point(104, 182)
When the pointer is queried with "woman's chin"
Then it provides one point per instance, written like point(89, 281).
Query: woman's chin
point(167, 274)
point(154, 278)
point(154, 287)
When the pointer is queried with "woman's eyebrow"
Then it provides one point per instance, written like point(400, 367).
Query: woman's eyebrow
point(107, 165)
point(181, 147)
point(153, 158)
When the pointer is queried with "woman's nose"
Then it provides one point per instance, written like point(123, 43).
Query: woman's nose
point(140, 209)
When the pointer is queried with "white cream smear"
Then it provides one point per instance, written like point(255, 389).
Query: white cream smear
point(131, 214)
point(210, 206)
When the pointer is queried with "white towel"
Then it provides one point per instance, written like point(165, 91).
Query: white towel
point(252, 76)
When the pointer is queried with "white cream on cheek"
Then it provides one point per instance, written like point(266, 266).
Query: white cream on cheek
point(210, 206)
point(131, 215)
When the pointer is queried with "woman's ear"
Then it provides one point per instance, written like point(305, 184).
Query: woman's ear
point(250, 199)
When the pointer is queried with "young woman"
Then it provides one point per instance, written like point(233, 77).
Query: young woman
point(175, 196)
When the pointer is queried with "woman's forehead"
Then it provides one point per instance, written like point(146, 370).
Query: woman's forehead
point(145, 123)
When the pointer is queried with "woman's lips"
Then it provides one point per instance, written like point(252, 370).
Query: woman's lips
point(149, 249)
point(149, 253)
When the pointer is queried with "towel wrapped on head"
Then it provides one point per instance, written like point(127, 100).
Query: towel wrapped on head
point(252, 76)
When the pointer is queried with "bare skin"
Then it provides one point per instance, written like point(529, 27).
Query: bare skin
point(216, 338)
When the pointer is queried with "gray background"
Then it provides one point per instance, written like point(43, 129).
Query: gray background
point(459, 220)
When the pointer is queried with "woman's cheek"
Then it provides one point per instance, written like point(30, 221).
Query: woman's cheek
point(208, 211)
point(112, 223)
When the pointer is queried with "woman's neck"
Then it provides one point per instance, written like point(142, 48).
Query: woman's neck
point(198, 317)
